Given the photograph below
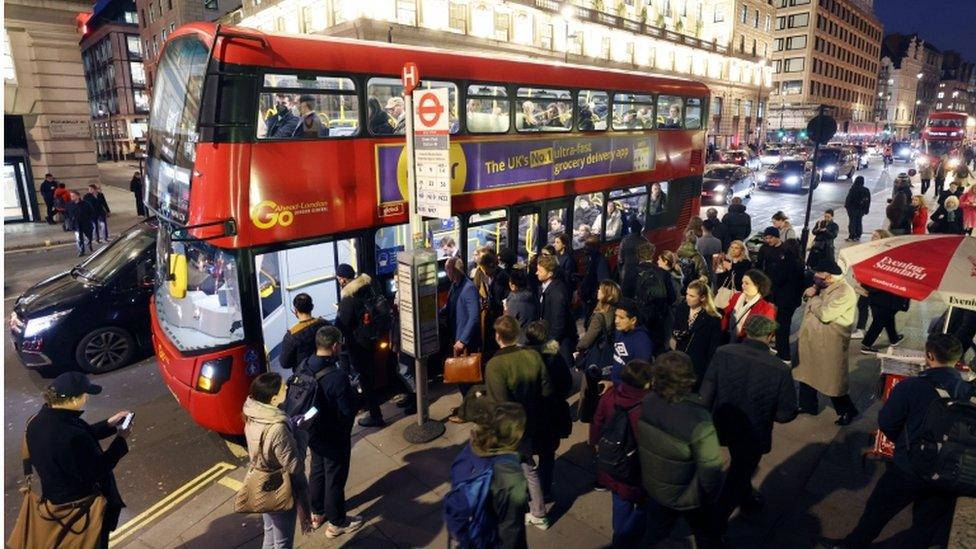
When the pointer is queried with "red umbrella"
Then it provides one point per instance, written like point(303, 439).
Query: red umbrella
point(916, 266)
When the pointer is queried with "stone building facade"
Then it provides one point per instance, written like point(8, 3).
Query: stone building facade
point(159, 18)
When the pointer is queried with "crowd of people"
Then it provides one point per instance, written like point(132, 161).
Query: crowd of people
point(87, 215)
point(678, 353)
point(908, 213)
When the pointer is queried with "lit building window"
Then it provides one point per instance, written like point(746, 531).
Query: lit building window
point(482, 21)
point(522, 29)
point(9, 74)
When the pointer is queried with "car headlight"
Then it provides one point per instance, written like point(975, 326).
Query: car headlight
point(792, 180)
point(40, 324)
point(720, 188)
point(830, 169)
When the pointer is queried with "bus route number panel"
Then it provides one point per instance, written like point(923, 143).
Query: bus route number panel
point(417, 292)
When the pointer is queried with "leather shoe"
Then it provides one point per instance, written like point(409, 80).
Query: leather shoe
point(845, 419)
point(370, 421)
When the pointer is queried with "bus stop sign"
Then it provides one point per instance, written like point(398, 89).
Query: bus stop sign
point(411, 76)
point(821, 129)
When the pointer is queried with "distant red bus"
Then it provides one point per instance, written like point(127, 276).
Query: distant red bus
point(272, 159)
point(944, 132)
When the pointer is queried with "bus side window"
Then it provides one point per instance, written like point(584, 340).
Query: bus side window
point(669, 112)
point(587, 217)
point(556, 223)
point(625, 205)
point(542, 110)
point(486, 230)
point(300, 107)
point(387, 111)
point(594, 107)
point(693, 114)
point(632, 111)
point(658, 199)
point(487, 109)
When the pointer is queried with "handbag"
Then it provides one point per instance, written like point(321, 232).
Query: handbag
point(264, 491)
point(40, 523)
point(463, 369)
point(724, 294)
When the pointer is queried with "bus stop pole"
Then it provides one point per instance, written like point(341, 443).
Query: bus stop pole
point(424, 430)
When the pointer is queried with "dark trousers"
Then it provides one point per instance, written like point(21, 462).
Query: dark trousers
point(744, 460)
point(784, 318)
point(661, 519)
point(863, 306)
point(327, 481)
point(882, 318)
point(140, 207)
point(362, 361)
point(925, 185)
point(49, 205)
point(939, 185)
point(807, 399)
point(931, 510)
point(83, 234)
point(854, 226)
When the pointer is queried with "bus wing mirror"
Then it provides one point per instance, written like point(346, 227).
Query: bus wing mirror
point(177, 275)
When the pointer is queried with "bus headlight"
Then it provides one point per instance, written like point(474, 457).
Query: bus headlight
point(213, 374)
point(792, 180)
point(720, 188)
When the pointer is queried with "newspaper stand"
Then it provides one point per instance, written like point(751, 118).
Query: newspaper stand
point(896, 365)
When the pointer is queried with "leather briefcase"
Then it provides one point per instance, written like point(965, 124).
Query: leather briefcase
point(463, 369)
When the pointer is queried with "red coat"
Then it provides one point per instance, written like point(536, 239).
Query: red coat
point(625, 396)
point(920, 221)
point(762, 308)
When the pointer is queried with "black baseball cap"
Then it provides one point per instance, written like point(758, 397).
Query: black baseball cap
point(771, 231)
point(829, 266)
point(73, 384)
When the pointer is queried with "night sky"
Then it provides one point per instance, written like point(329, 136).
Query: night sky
point(947, 24)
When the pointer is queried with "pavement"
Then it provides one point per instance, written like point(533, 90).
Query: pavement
point(114, 177)
point(180, 480)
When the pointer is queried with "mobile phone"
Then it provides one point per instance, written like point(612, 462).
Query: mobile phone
point(310, 413)
point(127, 421)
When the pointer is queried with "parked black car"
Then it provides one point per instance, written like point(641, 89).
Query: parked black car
point(721, 182)
point(94, 317)
point(788, 175)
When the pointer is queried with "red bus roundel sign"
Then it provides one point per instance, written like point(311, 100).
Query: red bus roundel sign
point(430, 112)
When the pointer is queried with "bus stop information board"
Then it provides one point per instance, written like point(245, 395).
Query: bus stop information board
point(417, 291)
point(431, 150)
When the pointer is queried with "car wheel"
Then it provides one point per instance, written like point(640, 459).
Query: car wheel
point(104, 350)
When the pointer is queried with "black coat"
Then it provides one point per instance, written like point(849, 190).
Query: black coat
point(785, 271)
point(698, 341)
point(81, 214)
point(331, 430)
point(597, 270)
point(555, 310)
point(738, 269)
point(135, 185)
point(858, 199)
point(738, 222)
point(299, 342)
point(47, 190)
point(98, 205)
point(721, 232)
point(747, 388)
point(567, 269)
point(943, 223)
point(66, 455)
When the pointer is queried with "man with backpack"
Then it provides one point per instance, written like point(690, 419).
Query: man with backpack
point(299, 341)
point(322, 383)
point(747, 389)
point(613, 433)
point(364, 317)
point(923, 416)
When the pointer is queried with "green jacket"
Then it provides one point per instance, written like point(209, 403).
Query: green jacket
point(517, 374)
point(681, 466)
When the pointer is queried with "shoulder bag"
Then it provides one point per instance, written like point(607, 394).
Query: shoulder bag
point(40, 523)
point(463, 369)
point(264, 491)
point(724, 294)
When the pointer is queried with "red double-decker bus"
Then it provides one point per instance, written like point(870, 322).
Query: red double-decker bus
point(943, 133)
point(272, 159)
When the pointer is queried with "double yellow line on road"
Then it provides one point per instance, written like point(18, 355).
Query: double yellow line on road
point(178, 496)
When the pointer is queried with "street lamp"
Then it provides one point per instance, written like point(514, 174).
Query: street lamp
point(760, 136)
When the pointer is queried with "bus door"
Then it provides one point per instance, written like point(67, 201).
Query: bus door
point(284, 274)
point(526, 219)
point(488, 228)
point(557, 214)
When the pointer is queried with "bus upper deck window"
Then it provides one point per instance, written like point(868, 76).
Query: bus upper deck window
point(386, 111)
point(693, 114)
point(669, 112)
point(543, 110)
point(633, 111)
point(594, 107)
point(487, 109)
point(300, 107)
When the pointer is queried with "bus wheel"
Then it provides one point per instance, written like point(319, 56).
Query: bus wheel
point(104, 350)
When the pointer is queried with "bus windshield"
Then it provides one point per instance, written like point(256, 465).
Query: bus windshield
point(171, 145)
point(206, 311)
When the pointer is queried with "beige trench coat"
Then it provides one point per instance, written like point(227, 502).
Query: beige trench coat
point(824, 339)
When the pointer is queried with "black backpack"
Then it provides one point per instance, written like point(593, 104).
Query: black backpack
point(374, 321)
point(303, 390)
point(649, 294)
point(944, 451)
point(616, 452)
